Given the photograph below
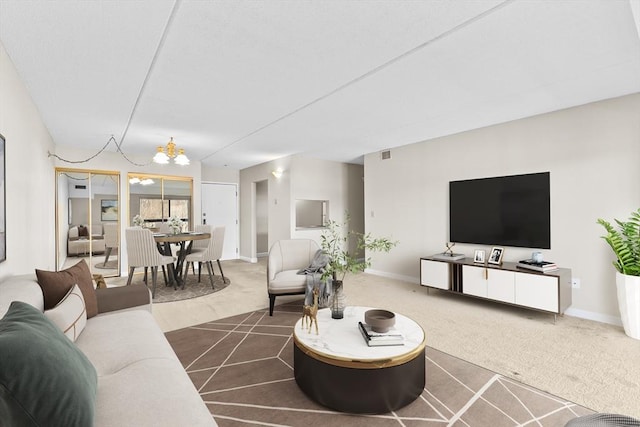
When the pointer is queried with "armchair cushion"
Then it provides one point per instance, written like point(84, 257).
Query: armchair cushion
point(286, 258)
point(45, 378)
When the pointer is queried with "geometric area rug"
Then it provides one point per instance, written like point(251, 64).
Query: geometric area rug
point(242, 367)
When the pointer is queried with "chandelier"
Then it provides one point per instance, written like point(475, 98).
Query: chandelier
point(163, 157)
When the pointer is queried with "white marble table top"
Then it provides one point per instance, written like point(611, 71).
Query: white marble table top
point(341, 338)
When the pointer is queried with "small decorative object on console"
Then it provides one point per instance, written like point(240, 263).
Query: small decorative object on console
point(496, 255)
point(479, 256)
point(543, 266)
point(448, 254)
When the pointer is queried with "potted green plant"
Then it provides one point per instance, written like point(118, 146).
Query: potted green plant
point(625, 243)
point(335, 242)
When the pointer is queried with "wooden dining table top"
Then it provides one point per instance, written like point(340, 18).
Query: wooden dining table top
point(180, 237)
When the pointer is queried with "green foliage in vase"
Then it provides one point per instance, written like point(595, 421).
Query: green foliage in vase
point(334, 241)
point(625, 242)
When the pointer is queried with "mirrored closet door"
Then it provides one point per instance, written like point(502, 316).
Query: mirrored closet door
point(87, 220)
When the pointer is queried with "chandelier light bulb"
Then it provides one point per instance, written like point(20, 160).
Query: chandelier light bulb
point(181, 159)
point(161, 157)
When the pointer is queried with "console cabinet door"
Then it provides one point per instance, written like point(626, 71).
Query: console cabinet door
point(434, 274)
point(501, 285)
point(474, 281)
point(537, 291)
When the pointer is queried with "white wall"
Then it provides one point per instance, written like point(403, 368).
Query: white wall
point(30, 187)
point(224, 175)
point(592, 152)
point(303, 178)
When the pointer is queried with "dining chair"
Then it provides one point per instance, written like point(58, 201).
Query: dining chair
point(142, 251)
point(199, 245)
point(110, 240)
point(210, 254)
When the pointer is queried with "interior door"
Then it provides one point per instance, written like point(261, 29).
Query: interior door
point(220, 207)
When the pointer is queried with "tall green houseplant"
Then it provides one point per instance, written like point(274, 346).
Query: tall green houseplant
point(625, 243)
point(334, 241)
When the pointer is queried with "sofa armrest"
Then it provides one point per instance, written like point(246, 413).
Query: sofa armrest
point(123, 297)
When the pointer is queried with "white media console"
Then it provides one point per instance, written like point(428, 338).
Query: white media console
point(506, 283)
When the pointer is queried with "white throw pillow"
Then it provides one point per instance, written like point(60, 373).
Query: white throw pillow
point(70, 315)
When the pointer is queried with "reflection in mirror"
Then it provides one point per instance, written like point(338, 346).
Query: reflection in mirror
point(156, 198)
point(85, 203)
point(311, 213)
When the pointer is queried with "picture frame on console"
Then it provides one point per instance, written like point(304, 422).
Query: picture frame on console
point(496, 255)
point(479, 256)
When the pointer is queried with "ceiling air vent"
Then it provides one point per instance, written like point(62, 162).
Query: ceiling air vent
point(385, 155)
point(81, 187)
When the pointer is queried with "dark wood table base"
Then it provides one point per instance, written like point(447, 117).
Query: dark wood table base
point(359, 391)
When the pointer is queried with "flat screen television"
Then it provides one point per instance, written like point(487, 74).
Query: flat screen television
point(503, 211)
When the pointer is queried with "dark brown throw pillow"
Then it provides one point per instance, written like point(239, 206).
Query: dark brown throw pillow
point(83, 231)
point(56, 284)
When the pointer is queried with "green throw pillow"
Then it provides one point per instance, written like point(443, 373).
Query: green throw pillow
point(45, 380)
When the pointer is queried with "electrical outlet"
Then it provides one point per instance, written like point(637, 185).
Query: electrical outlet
point(575, 283)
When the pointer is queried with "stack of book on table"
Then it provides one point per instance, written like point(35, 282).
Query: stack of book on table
point(374, 339)
point(543, 267)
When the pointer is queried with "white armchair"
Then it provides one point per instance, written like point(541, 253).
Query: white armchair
point(286, 258)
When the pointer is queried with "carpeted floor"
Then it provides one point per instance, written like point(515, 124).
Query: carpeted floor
point(243, 368)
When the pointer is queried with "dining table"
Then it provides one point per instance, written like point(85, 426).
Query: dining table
point(183, 241)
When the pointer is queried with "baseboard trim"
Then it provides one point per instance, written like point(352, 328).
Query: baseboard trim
point(590, 315)
point(247, 259)
point(393, 276)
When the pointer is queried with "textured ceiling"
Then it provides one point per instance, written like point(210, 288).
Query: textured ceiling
point(239, 83)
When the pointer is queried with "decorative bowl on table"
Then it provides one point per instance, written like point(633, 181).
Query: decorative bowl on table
point(380, 320)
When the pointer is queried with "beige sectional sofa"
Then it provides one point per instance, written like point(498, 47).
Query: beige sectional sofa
point(140, 381)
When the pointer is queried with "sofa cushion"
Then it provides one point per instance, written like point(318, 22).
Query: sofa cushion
point(70, 315)
point(56, 284)
point(44, 378)
point(137, 368)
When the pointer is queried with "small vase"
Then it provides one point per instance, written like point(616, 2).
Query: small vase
point(338, 300)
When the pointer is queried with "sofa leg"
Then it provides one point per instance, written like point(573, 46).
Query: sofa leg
point(272, 303)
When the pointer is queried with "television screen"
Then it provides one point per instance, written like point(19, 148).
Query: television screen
point(504, 211)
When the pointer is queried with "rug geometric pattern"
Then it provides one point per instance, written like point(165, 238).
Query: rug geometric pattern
point(243, 368)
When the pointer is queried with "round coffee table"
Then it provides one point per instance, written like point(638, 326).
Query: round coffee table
point(337, 369)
